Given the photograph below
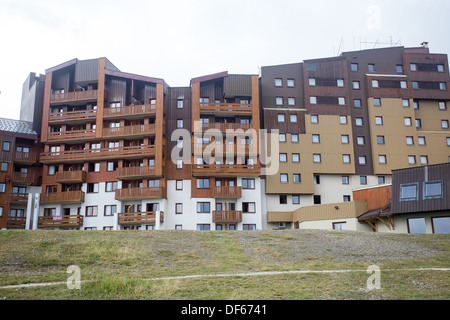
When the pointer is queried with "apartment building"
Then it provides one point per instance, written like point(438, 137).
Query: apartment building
point(347, 122)
point(124, 151)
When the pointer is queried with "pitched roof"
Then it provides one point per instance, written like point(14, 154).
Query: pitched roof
point(17, 126)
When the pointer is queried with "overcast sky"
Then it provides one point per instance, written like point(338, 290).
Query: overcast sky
point(181, 39)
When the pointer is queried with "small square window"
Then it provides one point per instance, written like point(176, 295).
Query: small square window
point(346, 158)
point(363, 180)
point(423, 160)
point(415, 85)
point(403, 85)
point(279, 101)
point(410, 141)
point(291, 83)
point(405, 103)
point(377, 102)
point(371, 67)
point(179, 104)
point(442, 106)
point(178, 208)
point(315, 138)
point(440, 68)
point(313, 100)
point(294, 138)
point(283, 157)
point(291, 101)
point(359, 122)
point(380, 140)
point(416, 105)
point(340, 83)
point(448, 141)
point(418, 123)
point(296, 157)
point(381, 180)
point(407, 122)
point(356, 85)
point(295, 199)
point(345, 180)
point(314, 118)
point(6, 146)
point(4, 167)
point(444, 124)
point(341, 101)
point(357, 103)
point(433, 190)
point(379, 121)
point(375, 84)
point(284, 178)
point(283, 199)
point(317, 158)
point(179, 185)
point(413, 67)
point(293, 118)
point(317, 199)
point(282, 137)
point(382, 159)
point(399, 68)
point(422, 141)
point(443, 86)
point(412, 159)
point(297, 178)
point(345, 139)
point(343, 119)
point(281, 117)
point(312, 82)
point(180, 123)
point(360, 141)
point(408, 192)
point(354, 67)
point(278, 82)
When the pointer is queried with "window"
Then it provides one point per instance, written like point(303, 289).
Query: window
point(443, 86)
point(354, 67)
point(371, 67)
point(448, 141)
point(403, 85)
point(2, 187)
point(110, 186)
point(294, 138)
point(291, 83)
point(279, 101)
point(362, 160)
point(317, 158)
point(110, 210)
point(416, 105)
point(357, 103)
point(314, 118)
point(249, 227)
point(442, 106)
point(377, 102)
point(356, 85)
point(202, 183)
point(282, 137)
point(291, 101)
point(179, 104)
point(408, 192)
point(278, 82)
point(111, 166)
point(415, 85)
point(311, 67)
point(316, 179)
point(6, 146)
point(179, 185)
point(312, 82)
point(375, 84)
point(359, 122)
point(94, 167)
point(91, 211)
point(441, 224)
point(432, 190)
point(317, 199)
point(405, 103)
point(293, 118)
point(315, 138)
point(381, 180)
point(1, 211)
point(340, 82)
point(440, 68)
point(283, 157)
point(281, 117)
point(339, 225)
point(248, 207)
point(296, 157)
point(203, 207)
point(51, 189)
point(153, 183)
point(413, 67)
point(203, 227)
point(284, 178)
point(179, 123)
point(422, 141)
point(382, 159)
point(363, 180)
point(49, 212)
point(444, 124)
point(407, 122)
point(341, 101)
point(410, 141)
point(417, 225)
point(399, 68)
point(283, 199)
point(379, 121)
point(313, 100)
point(347, 198)
point(248, 183)
point(412, 159)
point(178, 208)
point(418, 123)
point(179, 164)
point(346, 158)
point(297, 178)
point(423, 160)
point(4, 167)
point(92, 187)
point(343, 119)
point(345, 139)
point(345, 180)
point(295, 199)
point(360, 141)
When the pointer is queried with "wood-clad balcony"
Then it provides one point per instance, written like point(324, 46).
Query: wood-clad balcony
point(225, 170)
point(129, 131)
point(227, 192)
point(129, 112)
point(225, 148)
point(75, 97)
point(72, 117)
point(65, 197)
point(132, 173)
point(16, 222)
point(19, 198)
point(223, 127)
point(227, 216)
point(69, 221)
point(71, 135)
point(140, 193)
point(73, 156)
point(139, 217)
point(226, 108)
point(24, 177)
point(68, 177)
point(25, 157)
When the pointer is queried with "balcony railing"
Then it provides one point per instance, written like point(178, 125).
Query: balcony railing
point(98, 154)
point(25, 157)
point(139, 217)
point(71, 176)
point(19, 198)
point(144, 129)
point(75, 96)
point(227, 192)
point(129, 111)
point(226, 126)
point(131, 173)
point(72, 116)
point(71, 135)
point(16, 222)
point(227, 216)
point(235, 108)
point(225, 148)
point(25, 178)
point(70, 221)
point(68, 196)
point(225, 170)
point(140, 193)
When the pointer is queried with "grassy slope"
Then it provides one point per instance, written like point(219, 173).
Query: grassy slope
point(119, 261)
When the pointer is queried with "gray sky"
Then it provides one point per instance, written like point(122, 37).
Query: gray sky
point(181, 39)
